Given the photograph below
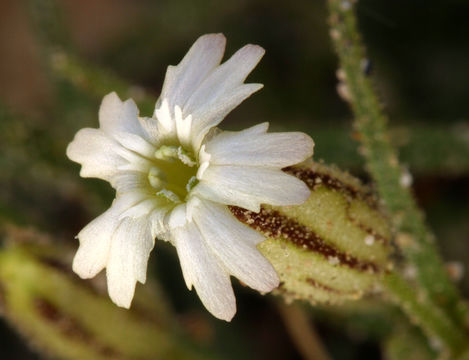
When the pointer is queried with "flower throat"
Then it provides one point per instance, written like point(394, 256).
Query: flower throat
point(174, 172)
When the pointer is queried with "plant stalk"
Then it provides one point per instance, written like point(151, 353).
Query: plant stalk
point(443, 334)
point(413, 238)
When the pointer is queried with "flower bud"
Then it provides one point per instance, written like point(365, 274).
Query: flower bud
point(66, 318)
point(334, 247)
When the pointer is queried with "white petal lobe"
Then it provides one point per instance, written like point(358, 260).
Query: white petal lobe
point(228, 76)
point(249, 187)
point(135, 143)
point(128, 257)
point(210, 115)
point(166, 126)
point(143, 208)
point(259, 149)
point(150, 127)
point(202, 270)
point(95, 238)
point(97, 153)
point(157, 222)
point(183, 127)
point(116, 116)
point(235, 245)
point(182, 81)
point(130, 181)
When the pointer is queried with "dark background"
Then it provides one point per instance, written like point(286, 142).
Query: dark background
point(419, 52)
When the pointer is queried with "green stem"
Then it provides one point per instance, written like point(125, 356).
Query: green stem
point(426, 148)
point(414, 240)
point(421, 310)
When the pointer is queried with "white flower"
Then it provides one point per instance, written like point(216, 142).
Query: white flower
point(174, 175)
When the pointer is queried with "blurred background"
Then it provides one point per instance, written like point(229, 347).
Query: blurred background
point(59, 58)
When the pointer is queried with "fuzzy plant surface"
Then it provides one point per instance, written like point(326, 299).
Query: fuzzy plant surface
point(324, 264)
point(63, 317)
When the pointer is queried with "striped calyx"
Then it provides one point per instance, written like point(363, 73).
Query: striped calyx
point(65, 318)
point(334, 247)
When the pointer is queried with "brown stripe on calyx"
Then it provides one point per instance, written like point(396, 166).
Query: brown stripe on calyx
point(273, 224)
point(70, 327)
point(313, 178)
point(66, 270)
point(378, 237)
point(94, 286)
point(318, 285)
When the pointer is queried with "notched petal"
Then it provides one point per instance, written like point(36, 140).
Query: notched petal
point(117, 116)
point(254, 148)
point(234, 244)
point(202, 270)
point(96, 152)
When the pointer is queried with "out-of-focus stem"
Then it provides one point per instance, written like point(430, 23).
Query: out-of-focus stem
point(406, 342)
point(66, 318)
point(302, 332)
point(441, 331)
point(463, 356)
point(414, 239)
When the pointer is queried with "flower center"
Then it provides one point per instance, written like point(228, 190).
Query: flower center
point(174, 173)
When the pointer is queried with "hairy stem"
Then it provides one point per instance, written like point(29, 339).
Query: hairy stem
point(442, 333)
point(414, 239)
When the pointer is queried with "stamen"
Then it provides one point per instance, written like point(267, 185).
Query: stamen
point(171, 153)
point(168, 194)
point(167, 153)
point(191, 183)
point(185, 157)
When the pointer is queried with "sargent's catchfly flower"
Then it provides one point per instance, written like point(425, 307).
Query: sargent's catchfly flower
point(175, 175)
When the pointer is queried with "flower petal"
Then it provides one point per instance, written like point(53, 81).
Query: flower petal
point(116, 116)
point(136, 144)
point(209, 116)
point(150, 127)
point(222, 91)
point(128, 258)
point(249, 187)
point(95, 238)
point(235, 245)
point(141, 209)
point(225, 78)
point(158, 219)
point(129, 181)
point(182, 80)
point(165, 122)
point(202, 269)
point(97, 153)
point(251, 148)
